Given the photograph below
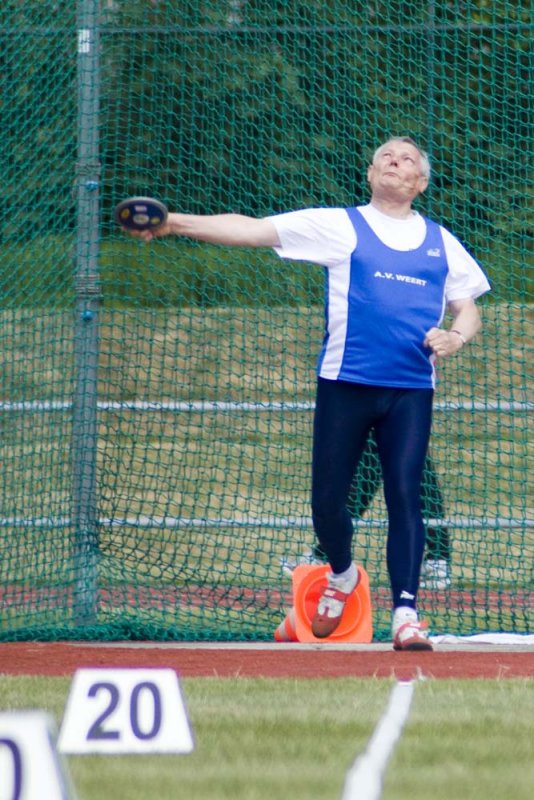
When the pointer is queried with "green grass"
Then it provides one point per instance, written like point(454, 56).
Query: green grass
point(264, 739)
point(40, 272)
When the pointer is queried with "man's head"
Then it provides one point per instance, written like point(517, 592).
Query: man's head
point(400, 170)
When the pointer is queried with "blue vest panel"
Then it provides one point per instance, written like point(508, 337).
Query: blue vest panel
point(394, 298)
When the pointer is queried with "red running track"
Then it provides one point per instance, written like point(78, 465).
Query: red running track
point(273, 661)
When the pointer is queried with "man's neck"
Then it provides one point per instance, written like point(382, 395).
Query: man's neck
point(391, 208)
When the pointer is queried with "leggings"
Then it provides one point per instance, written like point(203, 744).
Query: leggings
point(401, 419)
point(366, 483)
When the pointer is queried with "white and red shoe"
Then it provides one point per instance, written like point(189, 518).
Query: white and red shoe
point(408, 632)
point(331, 604)
point(435, 574)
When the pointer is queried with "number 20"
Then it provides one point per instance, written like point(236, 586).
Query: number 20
point(97, 732)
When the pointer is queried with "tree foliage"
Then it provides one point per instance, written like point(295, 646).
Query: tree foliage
point(263, 106)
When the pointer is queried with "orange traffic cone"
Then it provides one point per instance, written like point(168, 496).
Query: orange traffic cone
point(356, 623)
point(286, 630)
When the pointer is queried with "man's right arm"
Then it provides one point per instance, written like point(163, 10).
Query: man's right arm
point(235, 230)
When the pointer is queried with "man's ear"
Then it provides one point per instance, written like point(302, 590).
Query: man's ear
point(423, 183)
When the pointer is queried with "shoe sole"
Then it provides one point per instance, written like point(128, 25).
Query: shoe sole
point(414, 647)
point(323, 628)
point(324, 633)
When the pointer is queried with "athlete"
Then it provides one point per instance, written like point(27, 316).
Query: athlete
point(390, 276)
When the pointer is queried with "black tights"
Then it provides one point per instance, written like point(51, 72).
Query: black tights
point(345, 413)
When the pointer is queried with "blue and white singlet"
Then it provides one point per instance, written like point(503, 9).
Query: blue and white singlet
point(379, 310)
point(388, 282)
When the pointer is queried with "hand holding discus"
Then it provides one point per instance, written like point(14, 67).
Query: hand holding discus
point(141, 216)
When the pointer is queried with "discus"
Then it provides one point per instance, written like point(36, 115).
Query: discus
point(140, 213)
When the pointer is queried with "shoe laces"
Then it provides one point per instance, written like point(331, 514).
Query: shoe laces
point(335, 596)
point(329, 605)
point(413, 628)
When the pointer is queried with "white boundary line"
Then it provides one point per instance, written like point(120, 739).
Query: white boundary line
point(205, 406)
point(364, 779)
point(276, 522)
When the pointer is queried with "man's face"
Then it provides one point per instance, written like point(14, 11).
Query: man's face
point(396, 172)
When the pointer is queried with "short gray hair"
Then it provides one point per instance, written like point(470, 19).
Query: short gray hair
point(425, 161)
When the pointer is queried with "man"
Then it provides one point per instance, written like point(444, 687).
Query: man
point(390, 274)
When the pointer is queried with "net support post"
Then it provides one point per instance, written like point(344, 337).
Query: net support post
point(88, 298)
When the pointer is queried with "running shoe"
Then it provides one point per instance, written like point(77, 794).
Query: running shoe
point(331, 605)
point(411, 636)
point(435, 574)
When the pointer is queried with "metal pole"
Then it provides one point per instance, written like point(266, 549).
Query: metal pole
point(431, 95)
point(84, 434)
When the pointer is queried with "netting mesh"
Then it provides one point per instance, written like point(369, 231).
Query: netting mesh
point(156, 401)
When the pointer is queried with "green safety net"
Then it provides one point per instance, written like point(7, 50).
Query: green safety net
point(156, 401)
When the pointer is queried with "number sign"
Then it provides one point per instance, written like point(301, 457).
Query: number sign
point(125, 711)
point(30, 767)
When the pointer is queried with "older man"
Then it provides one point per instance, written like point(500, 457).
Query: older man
point(391, 274)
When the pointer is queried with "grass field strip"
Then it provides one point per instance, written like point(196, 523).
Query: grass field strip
point(272, 522)
point(364, 779)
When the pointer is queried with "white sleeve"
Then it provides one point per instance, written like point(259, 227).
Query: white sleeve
point(465, 278)
point(323, 236)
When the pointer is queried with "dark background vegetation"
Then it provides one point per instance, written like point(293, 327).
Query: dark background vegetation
point(258, 107)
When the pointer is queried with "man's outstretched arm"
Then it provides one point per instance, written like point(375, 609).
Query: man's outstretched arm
point(235, 230)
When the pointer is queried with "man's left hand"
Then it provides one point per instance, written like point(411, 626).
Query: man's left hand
point(443, 343)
